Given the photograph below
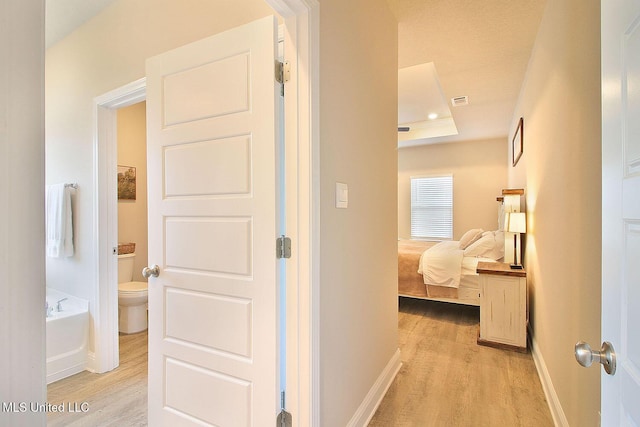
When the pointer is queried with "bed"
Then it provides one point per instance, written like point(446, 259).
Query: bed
point(446, 271)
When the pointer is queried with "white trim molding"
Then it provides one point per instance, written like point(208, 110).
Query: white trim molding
point(301, 44)
point(369, 405)
point(105, 223)
point(557, 413)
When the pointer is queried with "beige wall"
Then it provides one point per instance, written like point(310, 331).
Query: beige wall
point(22, 231)
point(132, 151)
point(358, 245)
point(479, 175)
point(560, 169)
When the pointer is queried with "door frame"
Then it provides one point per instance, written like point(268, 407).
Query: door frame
point(301, 35)
point(105, 223)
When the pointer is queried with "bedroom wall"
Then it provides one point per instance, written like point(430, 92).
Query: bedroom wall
point(358, 245)
point(479, 175)
point(561, 172)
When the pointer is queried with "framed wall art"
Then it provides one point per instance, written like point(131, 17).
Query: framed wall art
point(126, 183)
point(517, 143)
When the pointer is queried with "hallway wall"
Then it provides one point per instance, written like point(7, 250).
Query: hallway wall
point(358, 246)
point(22, 222)
point(561, 172)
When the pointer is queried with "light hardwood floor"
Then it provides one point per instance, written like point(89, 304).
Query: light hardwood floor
point(116, 398)
point(448, 380)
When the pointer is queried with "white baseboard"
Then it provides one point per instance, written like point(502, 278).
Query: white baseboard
point(372, 400)
point(559, 418)
point(91, 361)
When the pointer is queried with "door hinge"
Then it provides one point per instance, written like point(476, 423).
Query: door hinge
point(283, 247)
point(283, 71)
point(284, 418)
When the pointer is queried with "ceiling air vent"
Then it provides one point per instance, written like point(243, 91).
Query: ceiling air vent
point(459, 101)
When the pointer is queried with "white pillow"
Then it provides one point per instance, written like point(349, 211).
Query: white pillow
point(469, 237)
point(498, 250)
point(483, 247)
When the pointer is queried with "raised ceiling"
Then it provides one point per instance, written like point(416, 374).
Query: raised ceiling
point(423, 110)
point(479, 48)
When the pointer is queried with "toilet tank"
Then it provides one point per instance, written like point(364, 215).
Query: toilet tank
point(125, 267)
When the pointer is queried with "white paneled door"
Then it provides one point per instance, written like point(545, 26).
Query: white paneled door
point(621, 208)
point(211, 121)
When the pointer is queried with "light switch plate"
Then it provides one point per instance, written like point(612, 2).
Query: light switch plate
point(342, 195)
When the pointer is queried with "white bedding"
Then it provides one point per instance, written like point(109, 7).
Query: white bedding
point(445, 263)
point(441, 264)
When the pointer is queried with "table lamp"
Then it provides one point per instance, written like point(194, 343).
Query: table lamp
point(516, 223)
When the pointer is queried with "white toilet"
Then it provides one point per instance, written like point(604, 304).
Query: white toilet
point(132, 298)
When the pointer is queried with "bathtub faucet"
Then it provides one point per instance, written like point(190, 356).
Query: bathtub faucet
point(48, 310)
point(59, 305)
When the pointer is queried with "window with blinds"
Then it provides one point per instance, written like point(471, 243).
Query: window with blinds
point(432, 207)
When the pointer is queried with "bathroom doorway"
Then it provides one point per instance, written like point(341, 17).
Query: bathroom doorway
point(107, 161)
point(132, 185)
point(132, 218)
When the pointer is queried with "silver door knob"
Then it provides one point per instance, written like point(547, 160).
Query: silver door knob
point(607, 356)
point(154, 271)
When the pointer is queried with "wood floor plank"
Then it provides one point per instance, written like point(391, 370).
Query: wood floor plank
point(116, 398)
point(448, 380)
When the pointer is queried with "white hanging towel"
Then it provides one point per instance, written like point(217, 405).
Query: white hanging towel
point(59, 221)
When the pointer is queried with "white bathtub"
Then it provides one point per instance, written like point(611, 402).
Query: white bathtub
point(67, 335)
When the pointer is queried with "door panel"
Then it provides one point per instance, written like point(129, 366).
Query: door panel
point(200, 314)
point(227, 401)
point(232, 251)
point(223, 166)
point(214, 89)
point(621, 208)
point(212, 227)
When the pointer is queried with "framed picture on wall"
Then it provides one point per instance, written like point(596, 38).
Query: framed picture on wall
point(126, 183)
point(517, 143)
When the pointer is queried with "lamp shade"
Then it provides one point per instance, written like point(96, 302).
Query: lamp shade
point(517, 222)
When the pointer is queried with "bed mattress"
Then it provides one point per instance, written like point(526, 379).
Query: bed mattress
point(411, 283)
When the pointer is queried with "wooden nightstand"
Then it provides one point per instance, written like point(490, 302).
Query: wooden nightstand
point(503, 306)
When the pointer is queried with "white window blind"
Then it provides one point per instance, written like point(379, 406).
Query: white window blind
point(432, 207)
